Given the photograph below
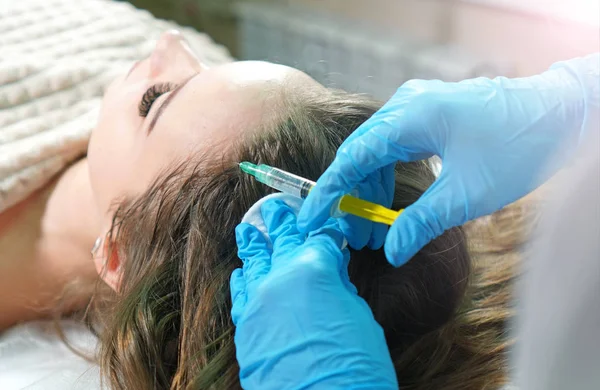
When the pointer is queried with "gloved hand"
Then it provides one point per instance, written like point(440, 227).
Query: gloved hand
point(498, 140)
point(299, 322)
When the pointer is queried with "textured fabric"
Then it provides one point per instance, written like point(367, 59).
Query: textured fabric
point(57, 57)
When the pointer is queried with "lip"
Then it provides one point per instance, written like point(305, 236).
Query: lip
point(132, 68)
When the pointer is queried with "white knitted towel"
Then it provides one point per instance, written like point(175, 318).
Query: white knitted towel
point(56, 58)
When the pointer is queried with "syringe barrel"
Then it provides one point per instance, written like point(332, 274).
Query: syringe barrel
point(294, 185)
point(287, 182)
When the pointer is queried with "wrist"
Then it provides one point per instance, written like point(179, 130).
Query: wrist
point(581, 89)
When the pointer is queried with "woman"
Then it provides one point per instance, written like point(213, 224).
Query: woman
point(158, 198)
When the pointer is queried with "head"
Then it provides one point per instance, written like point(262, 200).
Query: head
point(172, 193)
point(171, 108)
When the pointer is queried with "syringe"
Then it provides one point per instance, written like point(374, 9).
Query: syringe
point(298, 186)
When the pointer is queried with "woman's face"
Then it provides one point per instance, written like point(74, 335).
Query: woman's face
point(170, 107)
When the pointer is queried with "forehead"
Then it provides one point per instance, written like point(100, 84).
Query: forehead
point(221, 104)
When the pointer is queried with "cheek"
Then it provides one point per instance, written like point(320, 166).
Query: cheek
point(107, 164)
point(112, 149)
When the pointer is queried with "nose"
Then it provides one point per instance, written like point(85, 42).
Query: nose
point(172, 53)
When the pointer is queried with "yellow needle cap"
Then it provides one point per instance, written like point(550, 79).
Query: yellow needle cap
point(371, 211)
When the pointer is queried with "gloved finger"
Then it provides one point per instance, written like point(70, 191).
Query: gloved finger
point(237, 286)
point(280, 221)
point(379, 189)
point(383, 145)
point(382, 185)
point(388, 185)
point(422, 221)
point(388, 107)
point(255, 253)
point(330, 240)
point(344, 272)
point(356, 229)
point(353, 164)
point(385, 192)
point(378, 236)
point(394, 133)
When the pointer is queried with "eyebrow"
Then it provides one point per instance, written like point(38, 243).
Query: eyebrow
point(166, 103)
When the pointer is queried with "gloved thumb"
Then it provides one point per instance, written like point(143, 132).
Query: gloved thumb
point(420, 223)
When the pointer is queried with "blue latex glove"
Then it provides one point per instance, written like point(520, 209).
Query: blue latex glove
point(299, 322)
point(498, 140)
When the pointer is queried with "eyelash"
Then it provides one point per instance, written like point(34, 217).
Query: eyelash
point(150, 96)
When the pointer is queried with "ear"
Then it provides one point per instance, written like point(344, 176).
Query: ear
point(108, 263)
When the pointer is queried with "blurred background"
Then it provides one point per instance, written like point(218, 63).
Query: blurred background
point(373, 46)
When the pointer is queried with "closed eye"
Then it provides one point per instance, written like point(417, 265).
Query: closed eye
point(150, 96)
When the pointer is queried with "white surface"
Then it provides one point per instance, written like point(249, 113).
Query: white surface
point(33, 357)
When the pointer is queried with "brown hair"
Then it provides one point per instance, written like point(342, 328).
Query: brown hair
point(170, 327)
